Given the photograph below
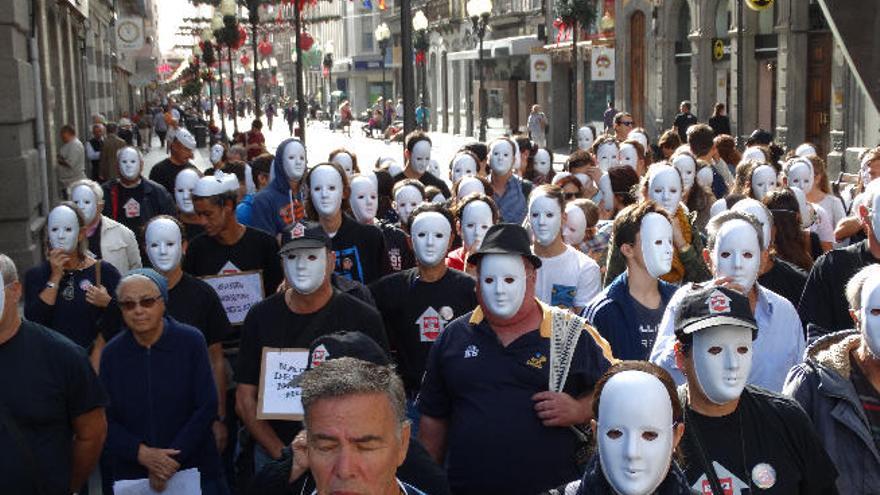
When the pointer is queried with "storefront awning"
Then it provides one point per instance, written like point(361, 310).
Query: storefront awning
point(504, 47)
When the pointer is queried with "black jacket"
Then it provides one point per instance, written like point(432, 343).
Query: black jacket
point(595, 483)
point(156, 202)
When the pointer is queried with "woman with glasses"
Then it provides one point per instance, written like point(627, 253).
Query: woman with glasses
point(162, 395)
point(71, 291)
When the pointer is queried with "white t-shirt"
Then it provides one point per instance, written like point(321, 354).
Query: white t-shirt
point(823, 226)
point(568, 280)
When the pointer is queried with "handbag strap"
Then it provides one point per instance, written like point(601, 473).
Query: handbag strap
point(98, 273)
point(30, 461)
point(693, 433)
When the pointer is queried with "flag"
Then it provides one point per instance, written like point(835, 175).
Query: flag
point(368, 4)
point(381, 4)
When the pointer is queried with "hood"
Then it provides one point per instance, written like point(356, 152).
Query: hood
point(280, 181)
point(833, 350)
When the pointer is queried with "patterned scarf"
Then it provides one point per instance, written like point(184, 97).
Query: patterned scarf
point(676, 274)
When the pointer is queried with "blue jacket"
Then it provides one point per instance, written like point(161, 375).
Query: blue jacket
point(613, 314)
point(162, 396)
point(271, 210)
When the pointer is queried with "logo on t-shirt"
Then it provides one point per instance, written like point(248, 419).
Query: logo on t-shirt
point(471, 351)
point(348, 264)
point(562, 296)
point(132, 208)
point(395, 259)
point(730, 484)
point(229, 268)
point(431, 324)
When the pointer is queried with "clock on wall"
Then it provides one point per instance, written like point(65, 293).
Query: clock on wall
point(128, 30)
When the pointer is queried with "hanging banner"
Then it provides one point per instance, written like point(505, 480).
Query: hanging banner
point(602, 64)
point(541, 68)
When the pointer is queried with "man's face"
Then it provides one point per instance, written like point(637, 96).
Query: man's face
point(130, 164)
point(141, 319)
point(420, 157)
point(622, 127)
point(98, 131)
point(721, 359)
point(213, 217)
point(66, 136)
point(86, 201)
point(180, 153)
point(364, 199)
point(869, 315)
point(355, 445)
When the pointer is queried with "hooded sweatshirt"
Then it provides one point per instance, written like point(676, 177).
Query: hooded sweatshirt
point(275, 208)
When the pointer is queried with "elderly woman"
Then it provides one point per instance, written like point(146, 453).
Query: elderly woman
point(162, 395)
point(108, 239)
point(70, 291)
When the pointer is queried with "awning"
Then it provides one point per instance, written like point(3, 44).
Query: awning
point(500, 48)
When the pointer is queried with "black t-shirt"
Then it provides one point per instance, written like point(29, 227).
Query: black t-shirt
point(192, 230)
point(165, 173)
point(256, 250)
point(400, 256)
point(427, 179)
point(648, 320)
point(194, 302)
point(767, 445)
point(47, 382)
point(130, 203)
point(785, 279)
point(416, 312)
point(360, 251)
point(95, 241)
point(271, 323)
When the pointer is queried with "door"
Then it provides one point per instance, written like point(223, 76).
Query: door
point(818, 89)
point(637, 67)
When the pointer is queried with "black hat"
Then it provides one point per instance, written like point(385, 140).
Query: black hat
point(713, 306)
point(760, 136)
point(306, 234)
point(506, 238)
point(346, 344)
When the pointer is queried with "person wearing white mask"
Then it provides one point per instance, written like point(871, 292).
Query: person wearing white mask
point(474, 215)
point(605, 151)
point(417, 304)
point(632, 154)
point(586, 136)
point(695, 195)
point(71, 292)
point(280, 204)
point(182, 150)
point(345, 159)
point(509, 191)
point(496, 362)
point(799, 174)
point(836, 387)
point(183, 190)
point(131, 199)
point(463, 164)
point(539, 169)
point(822, 195)
point(310, 305)
point(364, 202)
point(407, 194)
point(735, 254)
point(628, 312)
point(567, 278)
point(217, 158)
point(417, 155)
point(108, 239)
point(739, 438)
point(360, 249)
point(468, 185)
point(192, 301)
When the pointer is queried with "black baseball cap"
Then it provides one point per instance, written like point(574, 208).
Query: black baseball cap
point(506, 238)
point(306, 234)
point(713, 306)
point(346, 344)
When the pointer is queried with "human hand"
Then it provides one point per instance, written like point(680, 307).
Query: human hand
point(156, 483)
point(677, 235)
point(159, 462)
point(221, 435)
point(730, 284)
point(594, 173)
point(559, 409)
point(57, 260)
point(300, 463)
point(98, 296)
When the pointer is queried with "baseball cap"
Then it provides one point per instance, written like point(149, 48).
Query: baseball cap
point(213, 185)
point(346, 344)
point(713, 306)
point(306, 234)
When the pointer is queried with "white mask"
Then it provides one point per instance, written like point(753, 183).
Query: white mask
point(364, 199)
point(63, 229)
point(664, 188)
point(628, 155)
point(705, 177)
point(420, 157)
point(542, 161)
point(656, 243)
point(722, 375)
point(294, 160)
point(803, 207)
point(475, 222)
point(325, 190)
point(2, 299)
point(753, 153)
point(463, 165)
point(805, 150)
point(545, 217)
point(575, 228)
point(607, 192)
point(756, 209)
point(736, 253)
point(870, 323)
point(635, 432)
point(216, 153)
point(129, 163)
point(763, 181)
point(875, 216)
point(394, 168)
point(85, 200)
point(405, 201)
point(501, 157)
point(305, 269)
point(502, 284)
point(434, 168)
point(800, 174)
point(687, 167)
point(183, 188)
point(164, 244)
point(638, 136)
point(344, 160)
point(430, 237)
point(470, 185)
point(584, 179)
point(585, 138)
point(606, 156)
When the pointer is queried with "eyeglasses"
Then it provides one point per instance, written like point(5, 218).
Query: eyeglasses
point(628, 123)
point(146, 303)
point(571, 195)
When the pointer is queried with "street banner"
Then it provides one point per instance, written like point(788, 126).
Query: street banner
point(237, 292)
point(130, 33)
point(279, 395)
point(602, 64)
point(541, 68)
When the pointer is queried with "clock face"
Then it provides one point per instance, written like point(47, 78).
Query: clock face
point(128, 31)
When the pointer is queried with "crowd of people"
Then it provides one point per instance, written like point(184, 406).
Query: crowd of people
point(656, 315)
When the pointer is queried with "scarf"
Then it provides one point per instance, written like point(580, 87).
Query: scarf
point(676, 274)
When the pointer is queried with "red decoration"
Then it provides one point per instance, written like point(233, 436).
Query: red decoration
point(563, 30)
point(265, 48)
point(242, 37)
point(420, 57)
point(244, 60)
point(306, 41)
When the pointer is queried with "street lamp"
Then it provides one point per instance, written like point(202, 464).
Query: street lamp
point(420, 26)
point(479, 12)
point(383, 36)
point(328, 66)
point(254, 18)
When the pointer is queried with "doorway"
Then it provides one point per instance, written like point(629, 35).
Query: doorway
point(818, 89)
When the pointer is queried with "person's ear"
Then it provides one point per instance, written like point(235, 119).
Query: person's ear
point(855, 317)
point(677, 434)
point(707, 258)
point(405, 433)
point(594, 426)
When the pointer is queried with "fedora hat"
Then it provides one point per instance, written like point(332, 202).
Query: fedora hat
point(506, 238)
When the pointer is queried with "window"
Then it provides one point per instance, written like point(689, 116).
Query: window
point(366, 21)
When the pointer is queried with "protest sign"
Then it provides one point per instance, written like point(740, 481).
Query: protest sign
point(278, 394)
point(237, 292)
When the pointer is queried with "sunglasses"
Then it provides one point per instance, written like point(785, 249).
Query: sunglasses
point(146, 303)
point(628, 123)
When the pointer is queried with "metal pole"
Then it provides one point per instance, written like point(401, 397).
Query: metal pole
point(406, 69)
point(258, 110)
point(572, 118)
point(223, 108)
point(232, 91)
point(300, 95)
point(330, 88)
point(739, 75)
point(483, 116)
point(384, 96)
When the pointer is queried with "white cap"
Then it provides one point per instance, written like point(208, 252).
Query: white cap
point(559, 176)
point(185, 138)
point(805, 150)
point(213, 185)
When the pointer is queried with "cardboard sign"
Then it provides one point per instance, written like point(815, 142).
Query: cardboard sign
point(602, 64)
point(541, 68)
point(278, 396)
point(237, 292)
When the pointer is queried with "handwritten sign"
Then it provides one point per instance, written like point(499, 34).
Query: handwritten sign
point(278, 396)
point(237, 292)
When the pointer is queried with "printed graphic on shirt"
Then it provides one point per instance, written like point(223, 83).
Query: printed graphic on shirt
point(348, 264)
point(471, 352)
point(132, 208)
point(292, 212)
point(84, 285)
point(229, 268)
point(562, 296)
point(431, 323)
point(537, 361)
point(729, 482)
point(395, 259)
point(647, 333)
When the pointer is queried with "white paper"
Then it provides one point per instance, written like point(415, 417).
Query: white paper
point(186, 482)
point(279, 398)
point(237, 293)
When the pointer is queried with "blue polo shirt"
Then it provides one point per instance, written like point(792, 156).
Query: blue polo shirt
point(496, 443)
